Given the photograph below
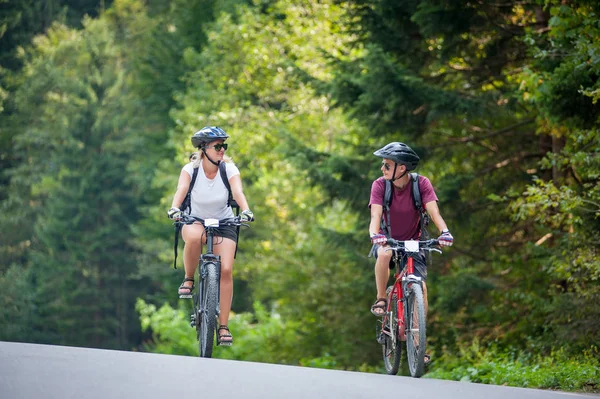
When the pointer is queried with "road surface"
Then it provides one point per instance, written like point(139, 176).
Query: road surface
point(49, 372)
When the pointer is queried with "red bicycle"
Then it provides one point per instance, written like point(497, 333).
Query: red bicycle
point(405, 317)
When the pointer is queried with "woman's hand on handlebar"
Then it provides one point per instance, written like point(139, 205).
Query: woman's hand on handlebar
point(247, 216)
point(174, 213)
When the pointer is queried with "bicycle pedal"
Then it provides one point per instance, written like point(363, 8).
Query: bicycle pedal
point(185, 296)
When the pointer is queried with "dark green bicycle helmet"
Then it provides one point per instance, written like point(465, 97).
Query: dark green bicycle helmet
point(399, 153)
point(208, 134)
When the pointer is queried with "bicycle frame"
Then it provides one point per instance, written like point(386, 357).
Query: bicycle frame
point(402, 278)
point(209, 257)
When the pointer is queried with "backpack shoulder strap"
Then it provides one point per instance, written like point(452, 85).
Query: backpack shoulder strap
point(416, 191)
point(387, 201)
point(223, 172)
point(423, 215)
point(387, 196)
point(185, 205)
point(194, 175)
point(230, 201)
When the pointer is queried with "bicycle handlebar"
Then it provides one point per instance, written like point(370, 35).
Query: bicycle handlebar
point(189, 219)
point(427, 245)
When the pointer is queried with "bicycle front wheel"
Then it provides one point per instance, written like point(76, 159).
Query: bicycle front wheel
point(207, 309)
point(392, 348)
point(415, 331)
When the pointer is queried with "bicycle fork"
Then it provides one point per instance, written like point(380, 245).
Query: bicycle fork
point(407, 281)
point(205, 260)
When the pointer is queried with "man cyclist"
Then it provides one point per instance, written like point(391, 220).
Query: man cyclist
point(398, 160)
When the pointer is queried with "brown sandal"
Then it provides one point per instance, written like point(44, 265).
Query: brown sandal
point(382, 306)
point(224, 339)
point(188, 294)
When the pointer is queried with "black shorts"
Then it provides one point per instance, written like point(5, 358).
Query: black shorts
point(420, 263)
point(226, 232)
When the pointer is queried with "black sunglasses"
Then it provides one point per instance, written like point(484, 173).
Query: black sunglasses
point(219, 147)
point(386, 165)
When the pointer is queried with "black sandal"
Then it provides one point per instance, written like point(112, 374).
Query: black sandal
point(228, 337)
point(380, 306)
point(184, 295)
point(427, 359)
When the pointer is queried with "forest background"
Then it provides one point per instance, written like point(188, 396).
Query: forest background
point(98, 100)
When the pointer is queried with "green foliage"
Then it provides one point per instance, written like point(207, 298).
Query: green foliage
point(259, 336)
point(520, 369)
point(170, 329)
point(17, 307)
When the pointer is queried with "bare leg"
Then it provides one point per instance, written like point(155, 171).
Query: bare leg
point(382, 271)
point(382, 275)
point(226, 249)
point(192, 235)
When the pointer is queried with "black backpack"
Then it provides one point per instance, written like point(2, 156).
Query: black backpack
point(186, 205)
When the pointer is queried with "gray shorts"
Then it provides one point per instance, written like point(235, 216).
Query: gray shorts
point(420, 263)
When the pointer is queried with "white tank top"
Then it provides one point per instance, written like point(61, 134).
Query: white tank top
point(209, 197)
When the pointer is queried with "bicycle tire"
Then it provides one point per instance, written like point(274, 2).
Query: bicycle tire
point(392, 347)
point(207, 310)
point(416, 334)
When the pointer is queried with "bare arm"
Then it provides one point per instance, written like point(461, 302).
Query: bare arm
point(182, 188)
point(376, 213)
point(434, 212)
point(238, 193)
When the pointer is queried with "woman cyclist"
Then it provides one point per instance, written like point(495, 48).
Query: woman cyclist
point(209, 200)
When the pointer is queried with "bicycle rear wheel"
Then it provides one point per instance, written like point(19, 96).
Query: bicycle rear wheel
point(391, 347)
point(207, 309)
point(415, 332)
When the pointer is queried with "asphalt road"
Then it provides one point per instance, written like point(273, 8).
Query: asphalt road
point(48, 372)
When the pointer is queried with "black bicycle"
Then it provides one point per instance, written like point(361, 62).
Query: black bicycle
point(206, 296)
point(405, 318)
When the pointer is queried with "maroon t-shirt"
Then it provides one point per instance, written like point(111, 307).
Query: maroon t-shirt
point(405, 218)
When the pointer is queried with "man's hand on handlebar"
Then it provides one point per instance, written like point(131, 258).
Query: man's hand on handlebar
point(378, 239)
